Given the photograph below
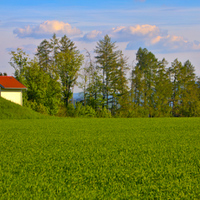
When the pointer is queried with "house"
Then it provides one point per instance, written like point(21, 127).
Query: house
point(11, 89)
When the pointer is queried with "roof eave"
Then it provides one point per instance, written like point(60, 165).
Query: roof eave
point(14, 88)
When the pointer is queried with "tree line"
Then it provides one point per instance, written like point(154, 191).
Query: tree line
point(110, 88)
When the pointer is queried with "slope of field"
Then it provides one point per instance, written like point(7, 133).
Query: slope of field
point(9, 110)
point(100, 158)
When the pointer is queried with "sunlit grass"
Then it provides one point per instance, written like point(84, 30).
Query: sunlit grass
point(9, 110)
point(100, 158)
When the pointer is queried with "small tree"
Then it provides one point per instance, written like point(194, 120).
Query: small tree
point(68, 62)
point(107, 59)
point(19, 61)
point(42, 89)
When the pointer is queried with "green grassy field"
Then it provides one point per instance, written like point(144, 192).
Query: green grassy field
point(9, 110)
point(100, 158)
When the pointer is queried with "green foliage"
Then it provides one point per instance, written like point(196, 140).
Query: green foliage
point(156, 91)
point(84, 111)
point(70, 110)
point(9, 110)
point(58, 62)
point(19, 61)
point(60, 58)
point(62, 111)
point(38, 107)
point(92, 84)
point(185, 90)
point(68, 61)
point(44, 92)
point(43, 55)
point(144, 79)
point(132, 111)
point(113, 66)
point(68, 66)
point(100, 158)
point(160, 91)
point(163, 91)
point(79, 110)
point(104, 113)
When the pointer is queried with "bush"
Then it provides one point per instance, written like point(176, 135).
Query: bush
point(84, 111)
point(104, 113)
point(38, 107)
point(70, 110)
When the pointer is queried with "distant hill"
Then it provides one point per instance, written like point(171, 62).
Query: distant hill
point(9, 110)
point(78, 96)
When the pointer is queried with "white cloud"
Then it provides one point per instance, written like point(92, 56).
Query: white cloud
point(149, 36)
point(166, 44)
point(93, 36)
point(47, 29)
point(125, 33)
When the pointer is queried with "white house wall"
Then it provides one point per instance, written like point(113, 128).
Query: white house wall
point(12, 95)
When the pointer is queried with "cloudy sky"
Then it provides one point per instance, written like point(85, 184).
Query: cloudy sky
point(168, 28)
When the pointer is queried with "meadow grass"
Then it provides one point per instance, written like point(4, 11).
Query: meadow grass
point(10, 110)
point(100, 158)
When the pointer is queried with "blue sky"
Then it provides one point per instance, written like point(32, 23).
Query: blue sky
point(170, 29)
point(91, 3)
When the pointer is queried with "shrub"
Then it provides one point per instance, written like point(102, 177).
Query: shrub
point(104, 113)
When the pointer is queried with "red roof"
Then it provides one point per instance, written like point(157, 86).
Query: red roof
point(9, 82)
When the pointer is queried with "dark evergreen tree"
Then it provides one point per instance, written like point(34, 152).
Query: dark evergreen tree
point(107, 60)
point(44, 55)
point(163, 91)
point(147, 65)
point(113, 66)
